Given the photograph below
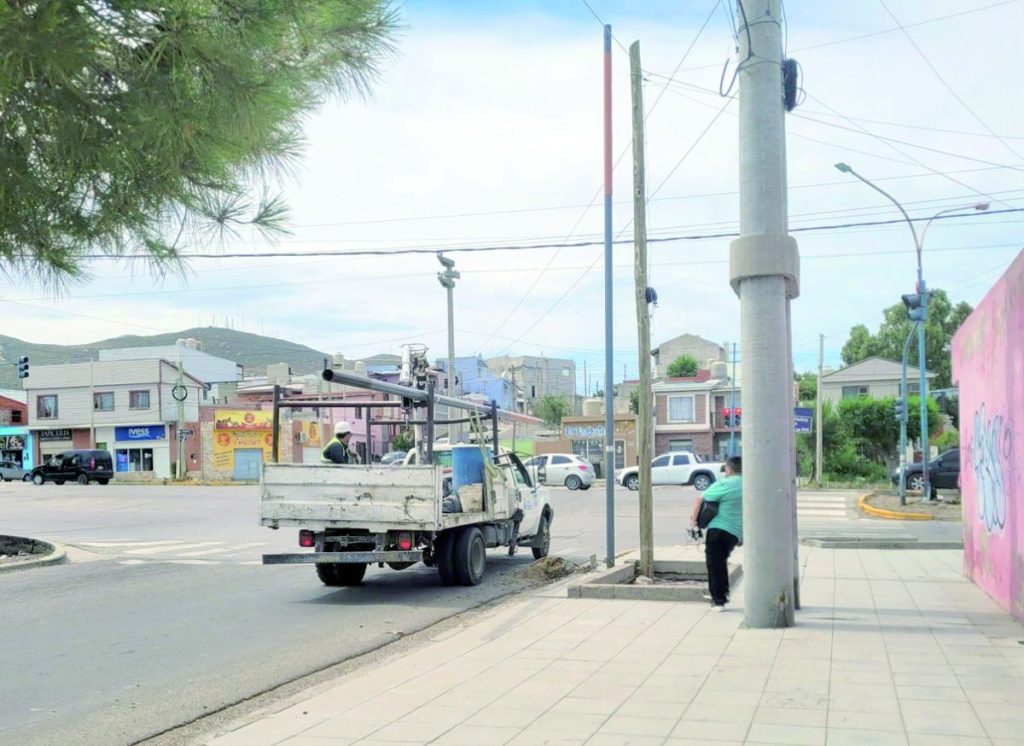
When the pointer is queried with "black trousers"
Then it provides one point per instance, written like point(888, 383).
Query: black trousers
point(718, 545)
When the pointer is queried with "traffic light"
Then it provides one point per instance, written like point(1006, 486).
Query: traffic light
point(23, 366)
point(900, 407)
point(916, 304)
point(737, 416)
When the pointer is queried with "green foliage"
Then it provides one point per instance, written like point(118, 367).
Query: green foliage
point(552, 409)
point(947, 440)
point(403, 441)
point(944, 319)
point(684, 366)
point(634, 401)
point(808, 386)
point(137, 128)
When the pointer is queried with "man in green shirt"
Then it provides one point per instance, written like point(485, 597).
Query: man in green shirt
point(724, 531)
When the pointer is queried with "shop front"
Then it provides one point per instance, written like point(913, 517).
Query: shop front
point(243, 441)
point(53, 441)
point(140, 451)
point(17, 446)
point(585, 436)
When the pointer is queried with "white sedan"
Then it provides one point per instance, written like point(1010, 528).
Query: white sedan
point(557, 469)
point(680, 467)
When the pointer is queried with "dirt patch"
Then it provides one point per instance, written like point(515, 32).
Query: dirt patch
point(550, 568)
point(671, 579)
point(14, 549)
point(941, 510)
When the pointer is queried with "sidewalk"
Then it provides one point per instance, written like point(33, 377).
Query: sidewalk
point(891, 647)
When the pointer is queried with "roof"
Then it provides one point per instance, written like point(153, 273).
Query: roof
point(872, 368)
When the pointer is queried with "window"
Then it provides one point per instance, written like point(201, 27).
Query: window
point(15, 416)
point(679, 444)
point(660, 461)
point(913, 387)
point(680, 409)
point(138, 399)
point(560, 460)
point(854, 392)
point(46, 407)
point(681, 460)
point(103, 401)
point(359, 413)
point(135, 459)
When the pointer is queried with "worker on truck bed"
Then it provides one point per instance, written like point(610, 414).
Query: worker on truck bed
point(336, 451)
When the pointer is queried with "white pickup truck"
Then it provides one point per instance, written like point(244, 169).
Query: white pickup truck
point(354, 516)
point(678, 467)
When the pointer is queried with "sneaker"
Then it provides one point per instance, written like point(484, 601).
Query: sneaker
point(707, 597)
point(718, 607)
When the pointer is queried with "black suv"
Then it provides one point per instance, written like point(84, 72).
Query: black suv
point(75, 466)
point(943, 473)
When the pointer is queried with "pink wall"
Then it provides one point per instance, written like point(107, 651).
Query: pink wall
point(988, 366)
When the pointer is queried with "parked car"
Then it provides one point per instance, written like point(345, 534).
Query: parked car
point(75, 466)
point(678, 467)
point(11, 470)
point(393, 458)
point(943, 473)
point(557, 469)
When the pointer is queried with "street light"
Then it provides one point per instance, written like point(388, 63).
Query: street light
point(917, 306)
point(447, 280)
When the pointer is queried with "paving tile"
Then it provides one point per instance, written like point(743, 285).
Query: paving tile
point(861, 737)
point(510, 714)
point(702, 731)
point(586, 705)
point(721, 712)
point(310, 741)
point(864, 704)
point(638, 726)
point(638, 706)
point(917, 739)
point(347, 727)
point(1011, 727)
point(913, 679)
point(792, 735)
point(940, 723)
point(848, 689)
point(791, 698)
point(879, 721)
point(573, 724)
point(475, 735)
point(932, 693)
point(790, 716)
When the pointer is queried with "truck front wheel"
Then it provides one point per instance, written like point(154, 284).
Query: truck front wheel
point(340, 573)
point(470, 556)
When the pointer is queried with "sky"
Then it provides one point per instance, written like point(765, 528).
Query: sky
point(485, 129)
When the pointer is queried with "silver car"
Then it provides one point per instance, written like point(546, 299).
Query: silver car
point(557, 469)
point(11, 471)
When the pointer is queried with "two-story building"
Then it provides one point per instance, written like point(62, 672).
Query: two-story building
point(535, 376)
point(16, 442)
point(127, 407)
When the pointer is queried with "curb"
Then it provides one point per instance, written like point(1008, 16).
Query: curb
point(892, 515)
point(58, 555)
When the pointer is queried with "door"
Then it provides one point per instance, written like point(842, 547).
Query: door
point(680, 468)
point(247, 463)
point(661, 470)
point(558, 469)
point(947, 472)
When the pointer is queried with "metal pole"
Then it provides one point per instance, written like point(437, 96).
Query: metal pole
point(732, 406)
point(609, 402)
point(792, 459)
point(450, 391)
point(923, 393)
point(430, 422)
point(764, 271)
point(819, 421)
point(643, 314)
point(903, 420)
point(276, 442)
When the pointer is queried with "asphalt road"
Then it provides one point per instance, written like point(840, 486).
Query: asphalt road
point(165, 612)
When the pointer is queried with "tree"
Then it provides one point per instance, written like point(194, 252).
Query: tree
point(808, 386)
point(137, 128)
point(944, 319)
point(552, 409)
point(684, 366)
point(403, 441)
point(634, 401)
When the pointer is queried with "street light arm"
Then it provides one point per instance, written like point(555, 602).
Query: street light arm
point(981, 206)
point(917, 244)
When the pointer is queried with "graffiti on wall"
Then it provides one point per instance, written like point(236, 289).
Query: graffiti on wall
point(990, 452)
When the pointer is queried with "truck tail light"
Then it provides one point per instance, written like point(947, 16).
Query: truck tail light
point(306, 538)
point(405, 541)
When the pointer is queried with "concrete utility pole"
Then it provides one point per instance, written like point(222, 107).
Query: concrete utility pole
point(180, 388)
point(764, 271)
point(447, 280)
point(643, 314)
point(732, 406)
point(818, 419)
point(609, 373)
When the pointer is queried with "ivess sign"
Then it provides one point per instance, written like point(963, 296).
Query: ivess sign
point(140, 432)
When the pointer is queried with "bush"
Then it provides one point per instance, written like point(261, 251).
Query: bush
point(947, 440)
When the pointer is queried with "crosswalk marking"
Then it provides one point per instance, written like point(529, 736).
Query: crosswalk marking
point(206, 552)
point(161, 549)
point(117, 544)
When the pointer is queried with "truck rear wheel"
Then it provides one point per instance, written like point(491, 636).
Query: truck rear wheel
point(470, 556)
point(340, 573)
point(444, 552)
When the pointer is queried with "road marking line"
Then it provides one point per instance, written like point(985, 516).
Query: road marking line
point(125, 543)
point(190, 562)
point(204, 552)
point(133, 562)
point(155, 550)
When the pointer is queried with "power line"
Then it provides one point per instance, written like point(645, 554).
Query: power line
point(537, 246)
point(945, 84)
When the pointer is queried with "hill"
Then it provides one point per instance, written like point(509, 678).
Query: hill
point(254, 351)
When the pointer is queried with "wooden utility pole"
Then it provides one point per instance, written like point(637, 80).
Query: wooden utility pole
point(818, 424)
point(643, 315)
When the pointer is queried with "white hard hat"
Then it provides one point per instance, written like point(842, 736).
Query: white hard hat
point(342, 428)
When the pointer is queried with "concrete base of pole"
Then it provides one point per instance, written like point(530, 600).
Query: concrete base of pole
point(767, 456)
